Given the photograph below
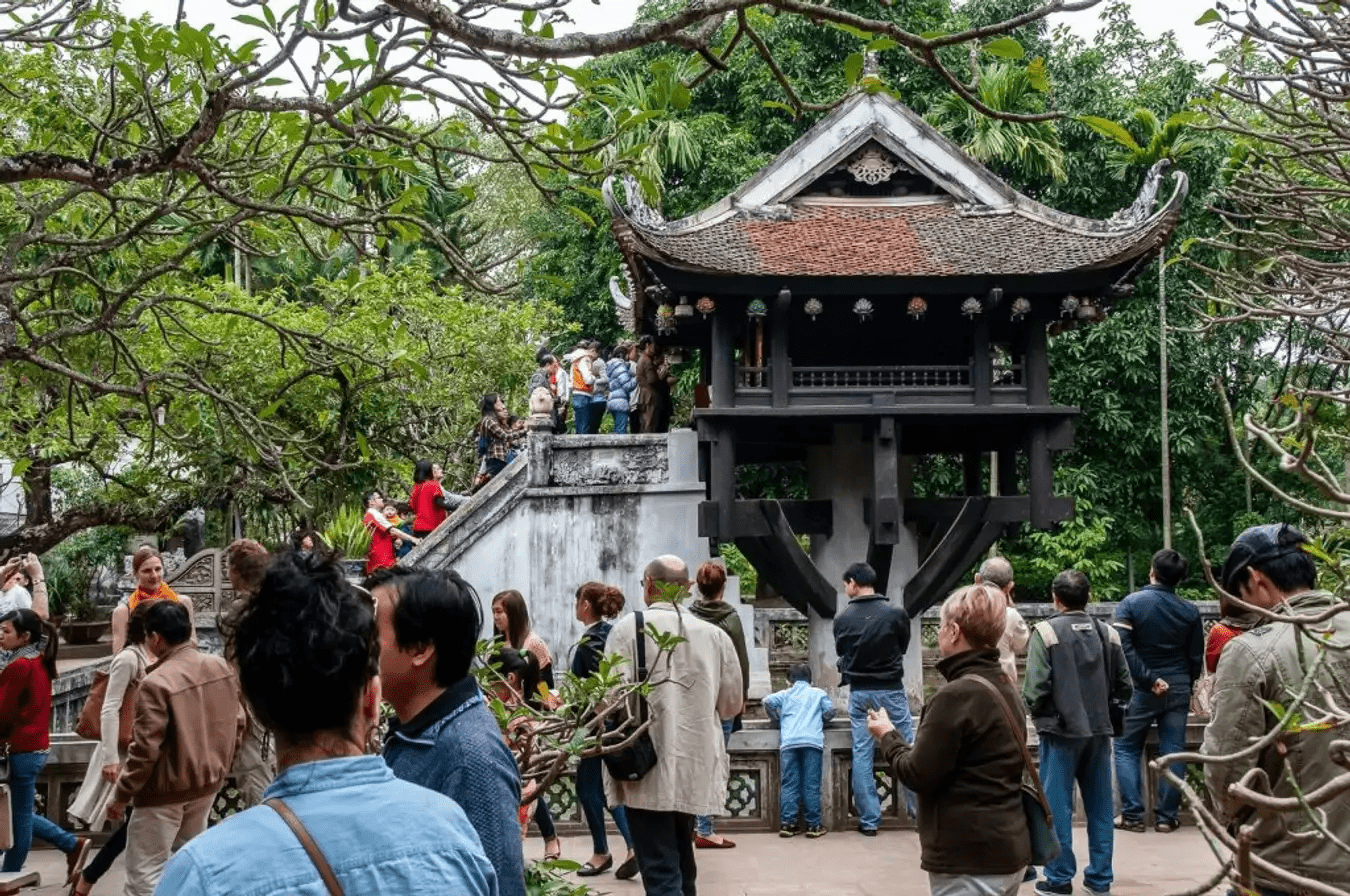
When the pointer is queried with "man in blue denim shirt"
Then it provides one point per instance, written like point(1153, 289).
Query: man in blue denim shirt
point(307, 656)
point(445, 738)
point(1164, 642)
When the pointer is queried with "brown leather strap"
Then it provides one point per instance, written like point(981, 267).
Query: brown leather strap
point(302, 834)
point(1019, 735)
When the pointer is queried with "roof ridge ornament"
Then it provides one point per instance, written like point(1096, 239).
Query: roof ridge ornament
point(1139, 211)
point(634, 206)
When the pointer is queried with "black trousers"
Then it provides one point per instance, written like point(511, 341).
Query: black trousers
point(100, 863)
point(664, 845)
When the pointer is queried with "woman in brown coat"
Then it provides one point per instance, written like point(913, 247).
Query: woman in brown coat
point(966, 765)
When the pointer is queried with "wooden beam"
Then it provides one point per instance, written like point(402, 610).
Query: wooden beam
point(780, 365)
point(781, 562)
point(1040, 478)
point(1001, 510)
point(968, 537)
point(748, 518)
point(1036, 364)
point(972, 473)
point(722, 482)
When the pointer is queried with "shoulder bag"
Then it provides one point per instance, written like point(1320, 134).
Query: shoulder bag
point(1040, 823)
point(277, 805)
point(90, 724)
point(639, 755)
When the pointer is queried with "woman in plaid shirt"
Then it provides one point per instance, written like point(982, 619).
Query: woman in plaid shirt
point(502, 438)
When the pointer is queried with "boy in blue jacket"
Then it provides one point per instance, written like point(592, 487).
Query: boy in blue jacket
point(801, 711)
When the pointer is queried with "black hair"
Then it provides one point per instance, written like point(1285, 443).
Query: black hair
point(488, 406)
point(26, 622)
point(545, 359)
point(168, 619)
point(525, 666)
point(1288, 573)
point(1072, 588)
point(437, 608)
point(644, 342)
point(1170, 568)
point(799, 672)
point(370, 494)
point(422, 471)
point(861, 574)
point(306, 647)
point(621, 351)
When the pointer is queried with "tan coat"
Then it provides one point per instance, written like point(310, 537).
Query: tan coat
point(189, 723)
point(694, 686)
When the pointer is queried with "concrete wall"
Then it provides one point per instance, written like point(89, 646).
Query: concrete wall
point(572, 509)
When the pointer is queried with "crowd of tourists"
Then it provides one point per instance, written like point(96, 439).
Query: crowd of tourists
point(631, 383)
point(294, 707)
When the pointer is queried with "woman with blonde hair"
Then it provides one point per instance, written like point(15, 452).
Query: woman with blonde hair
point(966, 764)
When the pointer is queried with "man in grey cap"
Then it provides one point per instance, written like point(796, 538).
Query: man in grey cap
point(1259, 675)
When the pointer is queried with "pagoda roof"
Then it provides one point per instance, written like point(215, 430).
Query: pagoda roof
point(960, 219)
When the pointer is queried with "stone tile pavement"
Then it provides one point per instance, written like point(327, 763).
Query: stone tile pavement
point(840, 864)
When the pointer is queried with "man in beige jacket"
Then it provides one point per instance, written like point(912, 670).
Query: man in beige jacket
point(189, 723)
point(695, 685)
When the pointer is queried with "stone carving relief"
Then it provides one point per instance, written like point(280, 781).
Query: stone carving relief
point(637, 464)
point(873, 166)
point(201, 572)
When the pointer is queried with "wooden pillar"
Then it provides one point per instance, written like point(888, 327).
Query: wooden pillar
point(780, 366)
point(1007, 471)
point(1037, 362)
point(982, 364)
point(722, 481)
point(886, 510)
point(723, 351)
point(1040, 478)
point(972, 468)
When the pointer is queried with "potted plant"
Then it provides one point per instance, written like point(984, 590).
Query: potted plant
point(71, 568)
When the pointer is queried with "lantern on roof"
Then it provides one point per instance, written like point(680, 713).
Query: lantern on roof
point(917, 307)
point(1020, 308)
point(705, 306)
point(971, 307)
point(684, 309)
point(813, 307)
point(863, 309)
point(757, 310)
point(1068, 306)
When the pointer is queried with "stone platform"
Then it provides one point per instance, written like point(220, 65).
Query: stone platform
point(840, 864)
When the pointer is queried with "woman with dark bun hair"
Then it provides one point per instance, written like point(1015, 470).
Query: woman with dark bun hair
point(308, 657)
point(429, 502)
point(597, 604)
point(710, 607)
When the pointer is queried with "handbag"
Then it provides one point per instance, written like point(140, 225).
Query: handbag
point(639, 756)
point(6, 806)
point(1040, 823)
point(1114, 708)
point(90, 724)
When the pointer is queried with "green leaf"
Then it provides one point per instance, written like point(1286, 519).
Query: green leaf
point(1037, 76)
point(20, 467)
point(853, 67)
point(849, 29)
point(1209, 17)
point(251, 20)
point(1108, 128)
point(579, 215)
point(881, 43)
point(527, 18)
point(1004, 48)
point(775, 104)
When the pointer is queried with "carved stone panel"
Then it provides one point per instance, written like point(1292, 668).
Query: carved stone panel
point(635, 464)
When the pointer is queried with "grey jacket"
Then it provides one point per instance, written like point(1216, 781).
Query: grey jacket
point(1270, 663)
point(1075, 667)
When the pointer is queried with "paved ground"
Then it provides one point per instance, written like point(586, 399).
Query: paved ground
point(840, 864)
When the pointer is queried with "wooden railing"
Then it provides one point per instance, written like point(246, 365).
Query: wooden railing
point(880, 377)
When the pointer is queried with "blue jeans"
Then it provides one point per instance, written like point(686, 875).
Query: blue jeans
point(865, 797)
point(1169, 712)
point(23, 774)
point(1086, 760)
point(703, 824)
point(799, 769)
point(597, 416)
point(620, 422)
point(591, 795)
point(581, 413)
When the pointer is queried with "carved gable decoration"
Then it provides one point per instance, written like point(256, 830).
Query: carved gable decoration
point(873, 172)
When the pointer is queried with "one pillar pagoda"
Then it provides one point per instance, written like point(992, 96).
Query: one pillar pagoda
point(871, 296)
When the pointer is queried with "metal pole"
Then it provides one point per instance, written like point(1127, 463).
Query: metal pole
point(1162, 376)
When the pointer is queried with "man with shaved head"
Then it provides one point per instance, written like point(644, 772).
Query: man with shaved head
point(695, 685)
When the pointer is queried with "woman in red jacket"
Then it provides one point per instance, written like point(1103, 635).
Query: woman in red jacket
point(427, 500)
point(25, 715)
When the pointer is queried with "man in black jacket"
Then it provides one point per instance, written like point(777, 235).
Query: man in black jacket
point(871, 636)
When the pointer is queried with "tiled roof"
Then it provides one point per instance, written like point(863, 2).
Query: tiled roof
point(896, 240)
